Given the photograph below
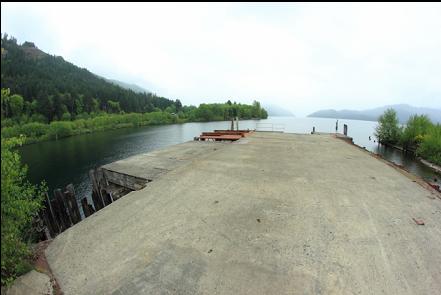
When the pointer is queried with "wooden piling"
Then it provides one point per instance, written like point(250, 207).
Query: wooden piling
point(98, 202)
point(104, 185)
point(87, 208)
point(61, 210)
point(48, 217)
point(106, 197)
point(72, 204)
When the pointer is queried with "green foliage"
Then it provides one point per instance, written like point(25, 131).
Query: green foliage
point(5, 95)
point(113, 106)
point(60, 129)
point(35, 131)
point(83, 116)
point(38, 118)
point(430, 147)
point(206, 113)
point(178, 105)
point(225, 111)
point(7, 122)
point(256, 110)
point(16, 105)
point(79, 105)
point(20, 202)
point(420, 135)
point(416, 128)
point(170, 109)
point(28, 130)
point(94, 105)
point(388, 131)
point(66, 116)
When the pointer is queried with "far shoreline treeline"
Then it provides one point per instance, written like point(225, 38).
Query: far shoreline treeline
point(15, 122)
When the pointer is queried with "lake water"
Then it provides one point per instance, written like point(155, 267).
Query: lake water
point(69, 160)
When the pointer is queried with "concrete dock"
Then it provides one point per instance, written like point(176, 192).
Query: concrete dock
point(272, 213)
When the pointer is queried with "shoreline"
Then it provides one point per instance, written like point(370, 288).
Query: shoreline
point(82, 131)
point(429, 164)
point(436, 168)
point(415, 178)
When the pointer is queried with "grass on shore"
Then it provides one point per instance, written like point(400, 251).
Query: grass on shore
point(36, 132)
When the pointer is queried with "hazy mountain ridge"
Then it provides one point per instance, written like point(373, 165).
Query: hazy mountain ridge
point(277, 111)
point(133, 87)
point(404, 111)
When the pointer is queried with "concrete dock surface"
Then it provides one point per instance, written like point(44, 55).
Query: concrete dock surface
point(272, 213)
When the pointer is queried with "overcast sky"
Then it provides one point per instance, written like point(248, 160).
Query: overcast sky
point(302, 57)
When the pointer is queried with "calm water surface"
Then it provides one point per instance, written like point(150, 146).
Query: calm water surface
point(69, 160)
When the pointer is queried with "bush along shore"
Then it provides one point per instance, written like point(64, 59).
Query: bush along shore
point(21, 202)
point(419, 136)
point(36, 131)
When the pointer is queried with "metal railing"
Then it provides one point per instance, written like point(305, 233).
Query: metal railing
point(270, 127)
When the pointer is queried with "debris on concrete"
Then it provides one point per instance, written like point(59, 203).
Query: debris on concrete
point(418, 221)
point(435, 186)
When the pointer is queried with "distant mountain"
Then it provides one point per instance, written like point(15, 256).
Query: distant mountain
point(404, 111)
point(133, 87)
point(277, 111)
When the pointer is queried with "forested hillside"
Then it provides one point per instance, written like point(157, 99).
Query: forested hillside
point(53, 87)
